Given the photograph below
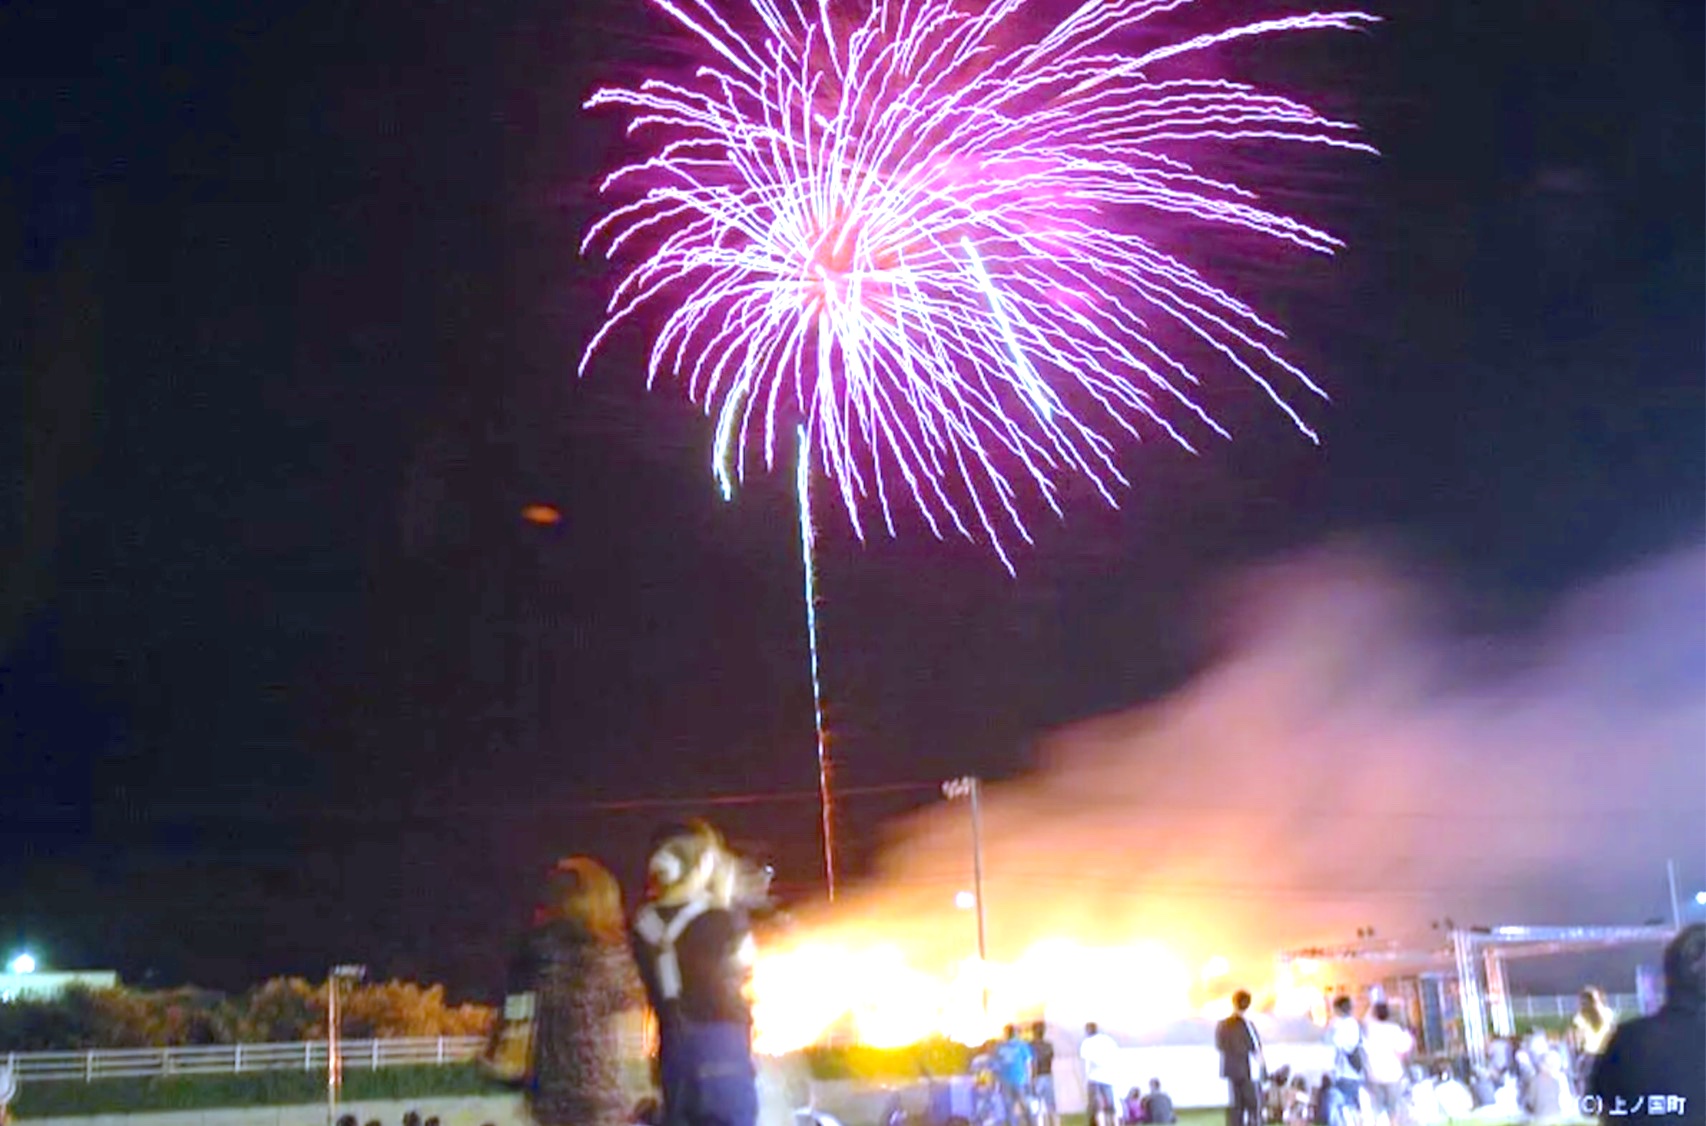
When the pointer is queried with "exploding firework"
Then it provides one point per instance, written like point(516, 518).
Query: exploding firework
point(931, 235)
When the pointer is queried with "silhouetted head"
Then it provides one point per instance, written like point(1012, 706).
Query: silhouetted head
point(1241, 1000)
point(581, 891)
point(1039, 1029)
point(1342, 1005)
point(1090, 1029)
point(1010, 1032)
point(1382, 1011)
point(1685, 966)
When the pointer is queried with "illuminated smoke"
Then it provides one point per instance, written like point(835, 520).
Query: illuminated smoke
point(935, 234)
point(1353, 759)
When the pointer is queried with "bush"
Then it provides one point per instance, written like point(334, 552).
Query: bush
point(938, 1056)
point(281, 1010)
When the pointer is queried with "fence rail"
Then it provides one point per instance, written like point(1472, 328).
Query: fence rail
point(370, 1055)
point(1564, 1005)
point(230, 1059)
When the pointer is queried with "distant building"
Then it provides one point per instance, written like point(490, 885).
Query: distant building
point(45, 986)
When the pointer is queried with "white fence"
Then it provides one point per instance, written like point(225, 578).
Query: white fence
point(230, 1059)
point(365, 1055)
point(1624, 1005)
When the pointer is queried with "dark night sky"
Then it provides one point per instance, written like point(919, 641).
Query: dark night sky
point(292, 307)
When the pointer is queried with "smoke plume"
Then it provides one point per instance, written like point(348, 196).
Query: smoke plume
point(1358, 757)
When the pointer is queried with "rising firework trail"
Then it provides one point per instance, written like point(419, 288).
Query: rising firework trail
point(808, 557)
point(932, 234)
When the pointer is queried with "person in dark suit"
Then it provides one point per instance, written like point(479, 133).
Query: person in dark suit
point(1241, 1063)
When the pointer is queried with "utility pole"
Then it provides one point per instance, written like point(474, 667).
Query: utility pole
point(334, 1061)
point(1675, 906)
point(971, 788)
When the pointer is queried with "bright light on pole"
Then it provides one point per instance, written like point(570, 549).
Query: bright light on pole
point(972, 789)
point(965, 900)
point(22, 964)
point(1700, 899)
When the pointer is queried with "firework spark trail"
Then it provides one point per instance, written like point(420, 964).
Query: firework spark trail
point(808, 555)
point(924, 237)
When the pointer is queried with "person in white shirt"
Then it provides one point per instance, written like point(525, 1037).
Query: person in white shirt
point(1549, 1094)
point(1388, 1045)
point(1455, 1101)
point(1424, 1100)
point(1098, 1053)
point(1350, 1058)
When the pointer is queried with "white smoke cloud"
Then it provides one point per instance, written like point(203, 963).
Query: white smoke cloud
point(1355, 758)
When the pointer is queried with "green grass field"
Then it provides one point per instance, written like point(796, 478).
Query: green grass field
point(267, 1088)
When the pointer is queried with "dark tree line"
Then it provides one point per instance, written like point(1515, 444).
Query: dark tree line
point(283, 1009)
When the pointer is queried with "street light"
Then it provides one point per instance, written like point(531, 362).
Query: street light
point(334, 1062)
point(971, 788)
point(1700, 899)
point(24, 963)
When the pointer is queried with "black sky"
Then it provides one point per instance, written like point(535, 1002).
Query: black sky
point(292, 307)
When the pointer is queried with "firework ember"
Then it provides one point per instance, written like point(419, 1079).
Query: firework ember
point(932, 235)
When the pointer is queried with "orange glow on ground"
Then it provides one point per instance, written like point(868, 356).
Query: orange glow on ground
point(808, 990)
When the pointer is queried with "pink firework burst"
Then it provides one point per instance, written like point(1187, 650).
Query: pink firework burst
point(918, 233)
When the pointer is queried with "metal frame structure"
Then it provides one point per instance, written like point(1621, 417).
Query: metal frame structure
point(1477, 957)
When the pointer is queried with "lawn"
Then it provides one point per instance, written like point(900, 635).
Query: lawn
point(265, 1088)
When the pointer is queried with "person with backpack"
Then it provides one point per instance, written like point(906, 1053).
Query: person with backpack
point(1350, 1062)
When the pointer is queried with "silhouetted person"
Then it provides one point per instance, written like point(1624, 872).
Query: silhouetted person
point(1241, 1063)
point(1590, 1031)
point(1042, 1075)
point(1664, 1054)
point(1350, 1061)
point(1389, 1045)
point(1013, 1063)
point(693, 941)
point(1099, 1055)
point(1158, 1105)
point(1547, 1094)
point(582, 976)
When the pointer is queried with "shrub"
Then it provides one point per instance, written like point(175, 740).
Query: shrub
point(937, 1056)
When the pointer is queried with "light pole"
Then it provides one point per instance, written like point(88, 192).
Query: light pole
point(971, 788)
point(1675, 909)
point(334, 1062)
